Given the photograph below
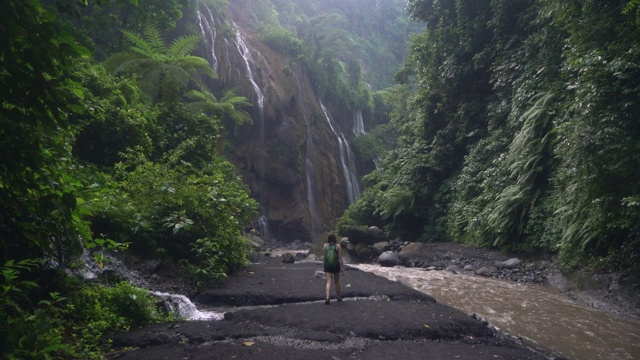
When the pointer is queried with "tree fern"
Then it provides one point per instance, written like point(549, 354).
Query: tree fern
point(164, 72)
point(229, 105)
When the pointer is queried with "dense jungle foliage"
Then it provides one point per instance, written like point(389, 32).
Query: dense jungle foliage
point(519, 131)
point(110, 138)
point(103, 150)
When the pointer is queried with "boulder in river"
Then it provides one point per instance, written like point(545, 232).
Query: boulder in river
point(389, 259)
point(508, 264)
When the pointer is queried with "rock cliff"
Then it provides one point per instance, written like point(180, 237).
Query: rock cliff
point(296, 156)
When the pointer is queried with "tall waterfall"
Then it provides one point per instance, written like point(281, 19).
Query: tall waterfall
point(244, 51)
point(208, 27)
point(347, 159)
point(358, 123)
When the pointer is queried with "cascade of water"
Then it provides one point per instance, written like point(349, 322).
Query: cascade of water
point(182, 307)
point(246, 55)
point(263, 225)
point(346, 159)
point(244, 51)
point(109, 265)
point(208, 27)
point(179, 305)
point(358, 123)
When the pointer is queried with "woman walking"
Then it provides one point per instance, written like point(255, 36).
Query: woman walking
point(333, 266)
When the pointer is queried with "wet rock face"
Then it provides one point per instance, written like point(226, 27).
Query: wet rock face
point(289, 156)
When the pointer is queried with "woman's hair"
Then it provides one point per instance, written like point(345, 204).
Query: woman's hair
point(331, 238)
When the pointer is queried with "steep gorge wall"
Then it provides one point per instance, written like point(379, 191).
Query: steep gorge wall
point(290, 156)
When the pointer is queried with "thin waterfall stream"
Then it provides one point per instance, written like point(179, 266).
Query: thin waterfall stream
point(207, 25)
point(244, 51)
point(346, 159)
point(358, 123)
point(547, 318)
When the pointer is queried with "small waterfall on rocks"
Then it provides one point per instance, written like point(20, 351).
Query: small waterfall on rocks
point(182, 307)
point(111, 266)
point(347, 159)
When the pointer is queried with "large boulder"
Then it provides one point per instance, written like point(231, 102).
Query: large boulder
point(415, 253)
point(380, 247)
point(389, 259)
point(363, 252)
point(364, 235)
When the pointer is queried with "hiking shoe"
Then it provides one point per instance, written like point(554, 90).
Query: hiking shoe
point(339, 299)
point(326, 301)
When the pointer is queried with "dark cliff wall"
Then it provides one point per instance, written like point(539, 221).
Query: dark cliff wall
point(290, 155)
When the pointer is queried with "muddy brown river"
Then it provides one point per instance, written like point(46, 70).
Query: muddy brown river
point(542, 316)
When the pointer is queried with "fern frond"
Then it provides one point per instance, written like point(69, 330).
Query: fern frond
point(115, 60)
point(236, 100)
point(176, 75)
point(184, 45)
point(151, 83)
point(196, 64)
point(137, 42)
point(154, 40)
point(196, 95)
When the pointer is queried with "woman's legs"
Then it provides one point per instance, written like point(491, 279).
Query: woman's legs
point(336, 279)
point(328, 285)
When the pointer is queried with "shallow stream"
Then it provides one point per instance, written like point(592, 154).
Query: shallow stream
point(542, 316)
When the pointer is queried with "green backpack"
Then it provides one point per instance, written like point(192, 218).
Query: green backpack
point(331, 257)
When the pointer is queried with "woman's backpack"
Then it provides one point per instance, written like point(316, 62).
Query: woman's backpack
point(331, 260)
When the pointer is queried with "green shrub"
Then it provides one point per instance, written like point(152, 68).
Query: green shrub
point(27, 330)
point(282, 40)
point(98, 310)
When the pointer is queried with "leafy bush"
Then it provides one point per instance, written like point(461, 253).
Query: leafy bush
point(66, 327)
point(282, 40)
point(28, 330)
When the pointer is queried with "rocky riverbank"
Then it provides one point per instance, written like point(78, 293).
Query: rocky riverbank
point(604, 291)
point(274, 310)
point(607, 291)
